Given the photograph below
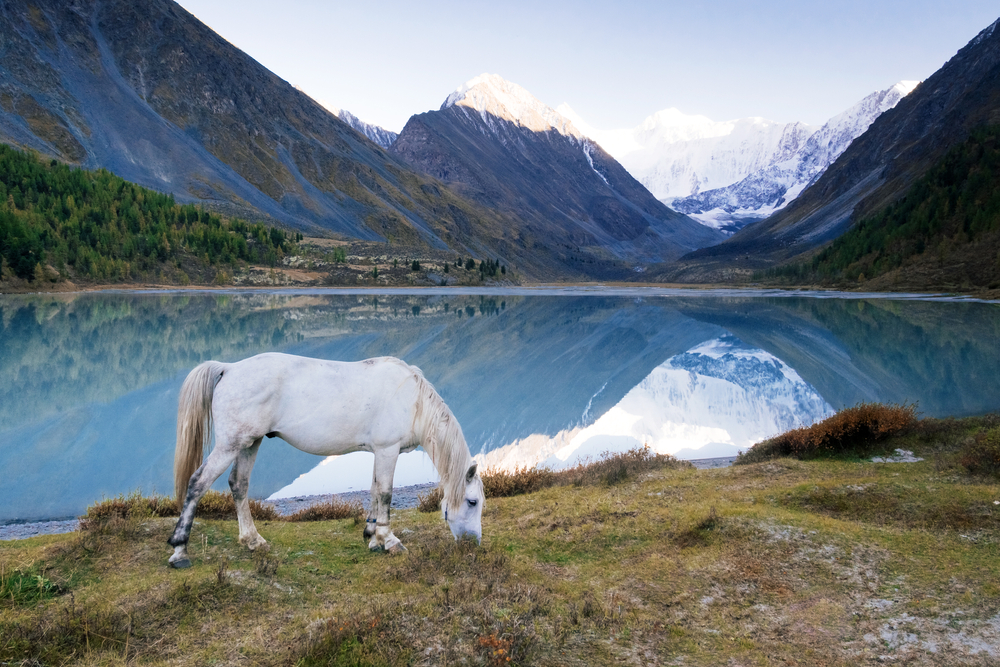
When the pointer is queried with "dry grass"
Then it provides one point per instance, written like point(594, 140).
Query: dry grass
point(855, 431)
point(826, 562)
point(608, 470)
point(333, 509)
point(982, 455)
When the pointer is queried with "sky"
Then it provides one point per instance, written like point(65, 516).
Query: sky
point(614, 63)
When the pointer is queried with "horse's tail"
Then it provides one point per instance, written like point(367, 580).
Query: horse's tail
point(194, 422)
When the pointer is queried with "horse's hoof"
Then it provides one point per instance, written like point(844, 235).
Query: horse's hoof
point(397, 549)
point(255, 544)
point(180, 564)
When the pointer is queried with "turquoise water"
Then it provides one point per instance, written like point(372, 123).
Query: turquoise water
point(89, 382)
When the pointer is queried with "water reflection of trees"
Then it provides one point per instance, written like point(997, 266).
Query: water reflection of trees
point(58, 352)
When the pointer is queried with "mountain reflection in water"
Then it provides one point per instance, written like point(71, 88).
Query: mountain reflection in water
point(89, 382)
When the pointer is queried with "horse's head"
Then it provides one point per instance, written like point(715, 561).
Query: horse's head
point(466, 520)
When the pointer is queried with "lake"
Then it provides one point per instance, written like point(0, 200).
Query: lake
point(89, 382)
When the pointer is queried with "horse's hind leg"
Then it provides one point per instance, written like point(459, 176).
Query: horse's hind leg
point(239, 482)
point(385, 468)
point(203, 478)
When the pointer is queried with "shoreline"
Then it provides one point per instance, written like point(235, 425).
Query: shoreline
point(537, 289)
point(403, 497)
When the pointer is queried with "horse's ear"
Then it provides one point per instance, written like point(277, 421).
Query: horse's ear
point(472, 473)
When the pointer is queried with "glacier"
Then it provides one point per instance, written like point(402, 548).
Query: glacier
point(727, 174)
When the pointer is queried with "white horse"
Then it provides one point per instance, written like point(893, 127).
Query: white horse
point(382, 405)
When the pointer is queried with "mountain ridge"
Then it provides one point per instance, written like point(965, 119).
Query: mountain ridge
point(494, 143)
point(875, 171)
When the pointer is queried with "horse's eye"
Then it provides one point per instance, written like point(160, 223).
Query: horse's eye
point(472, 503)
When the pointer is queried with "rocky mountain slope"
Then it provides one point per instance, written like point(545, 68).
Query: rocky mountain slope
point(495, 144)
point(148, 92)
point(875, 171)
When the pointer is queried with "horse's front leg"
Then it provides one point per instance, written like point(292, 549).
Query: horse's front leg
point(381, 501)
point(371, 519)
point(239, 483)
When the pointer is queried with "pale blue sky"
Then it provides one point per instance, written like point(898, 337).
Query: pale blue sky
point(614, 63)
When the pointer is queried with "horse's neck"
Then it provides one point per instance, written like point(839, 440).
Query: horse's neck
point(447, 449)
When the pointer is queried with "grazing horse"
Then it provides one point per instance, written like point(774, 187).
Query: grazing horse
point(382, 405)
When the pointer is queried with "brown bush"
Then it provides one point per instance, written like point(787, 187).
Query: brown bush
point(432, 501)
point(131, 506)
point(855, 431)
point(522, 479)
point(217, 505)
point(613, 469)
point(136, 507)
point(982, 455)
point(335, 508)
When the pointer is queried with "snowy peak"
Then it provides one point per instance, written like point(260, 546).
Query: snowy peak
point(493, 95)
point(376, 134)
point(773, 186)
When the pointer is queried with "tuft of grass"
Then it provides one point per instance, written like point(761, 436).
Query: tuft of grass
point(855, 431)
point(118, 513)
point(333, 509)
point(26, 586)
point(608, 470)
point(982, 455)
point(613, 469)
point(216, 505)
point(432, 501)
point(499, 483)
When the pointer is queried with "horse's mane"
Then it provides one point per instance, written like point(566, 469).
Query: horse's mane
point(442, 439)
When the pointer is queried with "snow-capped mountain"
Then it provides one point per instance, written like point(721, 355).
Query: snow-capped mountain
point(564, 205)
point(771, 188)
point(716, 399)
point(677, 155)
point(493, 96)
point(378, 135)
point(725, 174)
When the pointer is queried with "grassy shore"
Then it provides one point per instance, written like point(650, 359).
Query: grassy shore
point(829, 561)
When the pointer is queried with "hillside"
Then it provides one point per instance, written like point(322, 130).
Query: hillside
point(148, 92)
point(944, 233)
point(877, 169)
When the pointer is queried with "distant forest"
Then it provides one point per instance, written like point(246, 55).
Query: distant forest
point(95, 226)
point(945, 231)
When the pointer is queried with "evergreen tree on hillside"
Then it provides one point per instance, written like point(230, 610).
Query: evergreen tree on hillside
point(105, 228)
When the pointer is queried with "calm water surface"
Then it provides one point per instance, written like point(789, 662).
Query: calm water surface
point(89, 383)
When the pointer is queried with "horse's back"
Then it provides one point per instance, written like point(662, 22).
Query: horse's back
point(320, 405)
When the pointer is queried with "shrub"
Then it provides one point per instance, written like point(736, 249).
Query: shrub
point(335, 508)
point(853, 431)
point(613, 469)
point(136, 507)
point(982, 456)
point(502, 483)
point(432, 501)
